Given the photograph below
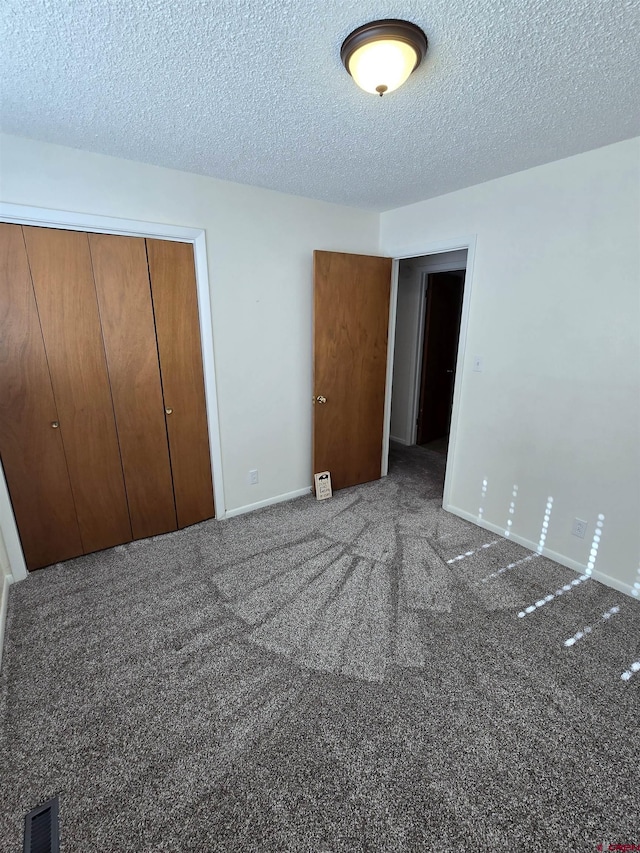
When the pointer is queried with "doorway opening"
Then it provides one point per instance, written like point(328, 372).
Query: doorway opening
point(427, 334)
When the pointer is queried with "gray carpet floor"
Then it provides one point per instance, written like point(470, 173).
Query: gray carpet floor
point(323, 677)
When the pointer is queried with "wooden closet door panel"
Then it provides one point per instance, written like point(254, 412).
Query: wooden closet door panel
point(124, 298)
point(65, 294)
point(175, 302)
point(31, 449)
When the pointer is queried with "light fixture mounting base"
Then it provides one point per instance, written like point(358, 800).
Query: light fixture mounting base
point(389, 28)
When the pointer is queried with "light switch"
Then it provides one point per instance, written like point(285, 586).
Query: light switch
point(478, 363)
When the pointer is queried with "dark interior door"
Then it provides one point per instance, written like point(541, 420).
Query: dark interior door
point(441, 333)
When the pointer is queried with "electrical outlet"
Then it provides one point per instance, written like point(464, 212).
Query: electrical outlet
point(579, 527)
point(253, 477)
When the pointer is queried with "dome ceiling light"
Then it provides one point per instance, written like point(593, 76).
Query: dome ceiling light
point(381, 55)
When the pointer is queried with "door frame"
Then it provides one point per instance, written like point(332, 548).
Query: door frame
point(436, 248)
point(25, 215)
point(425, 271)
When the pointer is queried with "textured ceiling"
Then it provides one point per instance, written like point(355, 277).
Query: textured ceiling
point(254, 91)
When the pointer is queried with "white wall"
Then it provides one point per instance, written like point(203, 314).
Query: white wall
point(5, 580)
point(405, 354)
point(259, 246)
point(555, 313)
point(5, 570)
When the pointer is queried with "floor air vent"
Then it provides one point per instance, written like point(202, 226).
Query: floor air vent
point(41, 829)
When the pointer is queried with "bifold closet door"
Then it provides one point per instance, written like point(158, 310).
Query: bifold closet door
point(62, 276)
point(173, 286)
point(126, 312)
point(31, 446)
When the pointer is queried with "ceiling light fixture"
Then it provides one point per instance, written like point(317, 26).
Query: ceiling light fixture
point(381, 55)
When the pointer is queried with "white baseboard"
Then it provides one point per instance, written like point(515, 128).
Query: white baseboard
point(278, 499)
point(3, 609)
point(580, 568)
point(399, 440)
point(614, 583)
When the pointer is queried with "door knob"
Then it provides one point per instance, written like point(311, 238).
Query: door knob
point(321, 399)
point(55, 424)
point(168, 410)
point(449, 371)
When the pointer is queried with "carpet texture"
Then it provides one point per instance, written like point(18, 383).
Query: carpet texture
point(321, 677)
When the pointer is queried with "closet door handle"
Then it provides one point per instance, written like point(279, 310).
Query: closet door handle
point(168, 410)
point(55, 424)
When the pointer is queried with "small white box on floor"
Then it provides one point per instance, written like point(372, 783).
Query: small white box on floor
point(323, 485)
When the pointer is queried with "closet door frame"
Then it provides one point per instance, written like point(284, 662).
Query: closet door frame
point(47, 218)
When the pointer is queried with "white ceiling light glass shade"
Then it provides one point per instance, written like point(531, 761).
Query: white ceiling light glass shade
point(381, 55)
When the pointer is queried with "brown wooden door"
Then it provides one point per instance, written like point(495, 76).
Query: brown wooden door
point(351, 320)
point(439, 352)
point(31, 448)
point(65, 294)
point(126, 312)
point(173, 285)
